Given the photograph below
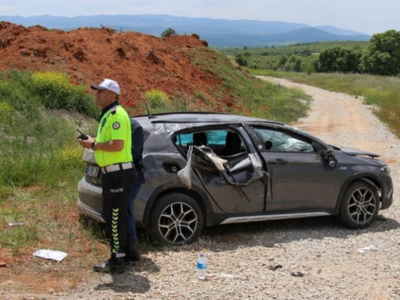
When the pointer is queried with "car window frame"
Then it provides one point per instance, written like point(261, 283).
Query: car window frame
point(229, 127)
point(261, 146)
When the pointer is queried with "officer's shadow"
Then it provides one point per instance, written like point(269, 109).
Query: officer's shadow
point(130, 280)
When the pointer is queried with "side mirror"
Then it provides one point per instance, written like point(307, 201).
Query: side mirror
point(325, 152)
point(328, 156)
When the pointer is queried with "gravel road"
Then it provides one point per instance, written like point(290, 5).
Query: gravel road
point(240, 256)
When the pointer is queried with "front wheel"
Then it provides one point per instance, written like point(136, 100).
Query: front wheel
point(360, 205)
point(176, 219)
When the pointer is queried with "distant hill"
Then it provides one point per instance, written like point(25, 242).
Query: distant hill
point(218, 32)
point(304, 35)
point(309, 35)
point(339, 31)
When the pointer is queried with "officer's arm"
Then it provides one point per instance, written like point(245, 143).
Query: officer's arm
point(118, 134)
point(112, 146)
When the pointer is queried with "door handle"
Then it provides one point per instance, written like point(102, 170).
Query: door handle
point(278, 162)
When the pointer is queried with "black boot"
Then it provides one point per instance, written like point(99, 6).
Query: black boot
point(113, 265)
point(132, 255)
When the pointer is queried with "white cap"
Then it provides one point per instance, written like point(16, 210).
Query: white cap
point(107, 84)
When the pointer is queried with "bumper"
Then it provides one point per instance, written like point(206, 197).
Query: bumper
point(387, 196)
point(89, 212)
point(90, 200)
point(387, 201)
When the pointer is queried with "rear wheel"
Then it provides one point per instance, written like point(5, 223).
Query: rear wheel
point(176, 219)
point(360, 205)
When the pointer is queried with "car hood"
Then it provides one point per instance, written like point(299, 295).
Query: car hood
point(357, 152)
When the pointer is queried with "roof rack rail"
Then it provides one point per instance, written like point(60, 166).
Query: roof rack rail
point(181, 113)
point(215, 122)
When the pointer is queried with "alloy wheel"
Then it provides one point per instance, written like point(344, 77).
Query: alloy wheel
point(177, 222)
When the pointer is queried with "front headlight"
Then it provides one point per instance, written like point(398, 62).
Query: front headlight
point(386, 169)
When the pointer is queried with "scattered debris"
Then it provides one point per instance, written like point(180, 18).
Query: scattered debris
point(319, 271)
point(186, 173)
point(50, 254)
point(16, 224)
point(297, 274)
point(3, 264)
point(274, 268)
point(223, 275)
point(369, 248)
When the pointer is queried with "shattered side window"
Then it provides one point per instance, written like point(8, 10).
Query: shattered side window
point(217, 137)
point(184, 139)
point(282, 142)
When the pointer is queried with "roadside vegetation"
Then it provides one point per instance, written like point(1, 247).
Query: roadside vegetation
point(381, 91)
point(380, 56)
point(369, 70)
point(41, 162)
point(249, 96)
point(295, 58)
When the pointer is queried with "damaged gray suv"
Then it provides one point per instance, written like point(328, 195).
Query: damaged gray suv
point(242, 169)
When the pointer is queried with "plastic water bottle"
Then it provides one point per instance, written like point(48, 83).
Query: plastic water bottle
point(202, 267)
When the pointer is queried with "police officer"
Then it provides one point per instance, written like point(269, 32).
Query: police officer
point(112, 152)
point(137, 150)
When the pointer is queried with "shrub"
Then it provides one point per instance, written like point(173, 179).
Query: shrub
point(339, 60)
point(5, 112)
point(57, 91)
point(38, 147)
point(383, 55)
point(157, 99)
point(241, 61)
point(168, 32)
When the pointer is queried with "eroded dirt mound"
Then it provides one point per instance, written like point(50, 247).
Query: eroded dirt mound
point(137, 61)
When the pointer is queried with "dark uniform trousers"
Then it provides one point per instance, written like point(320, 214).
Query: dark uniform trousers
point(117, 186)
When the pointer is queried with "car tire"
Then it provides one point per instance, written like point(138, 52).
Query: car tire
point(360, 205)
point(176, 219)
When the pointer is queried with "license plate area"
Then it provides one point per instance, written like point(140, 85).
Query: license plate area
point(92, 171)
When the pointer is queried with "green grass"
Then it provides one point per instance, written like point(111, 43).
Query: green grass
point(383, 92)
point(41, 161)
point(38, 149)
point(36, 146)
point(235, 91)
point(249, 96)
point(299, 49)
point(269, 58)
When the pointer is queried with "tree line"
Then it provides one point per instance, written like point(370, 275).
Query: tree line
point(382, 57)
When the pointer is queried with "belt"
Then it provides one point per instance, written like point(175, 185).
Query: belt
point(117, 167)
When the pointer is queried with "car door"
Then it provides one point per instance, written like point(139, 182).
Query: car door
point(300, 178)
point(240, 186)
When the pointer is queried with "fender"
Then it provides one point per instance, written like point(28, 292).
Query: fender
point(350, 180)
point(202, 196)
point(371, 183)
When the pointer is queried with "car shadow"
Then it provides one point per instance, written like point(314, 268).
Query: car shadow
point(268, 234)
point(271, 233)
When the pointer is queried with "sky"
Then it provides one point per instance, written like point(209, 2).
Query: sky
point(368, 16)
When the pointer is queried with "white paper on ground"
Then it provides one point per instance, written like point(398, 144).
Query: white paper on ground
point(223, 275)
point(50, 254)
point(369, 248)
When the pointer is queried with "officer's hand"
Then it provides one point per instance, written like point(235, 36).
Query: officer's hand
point(86, 143)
